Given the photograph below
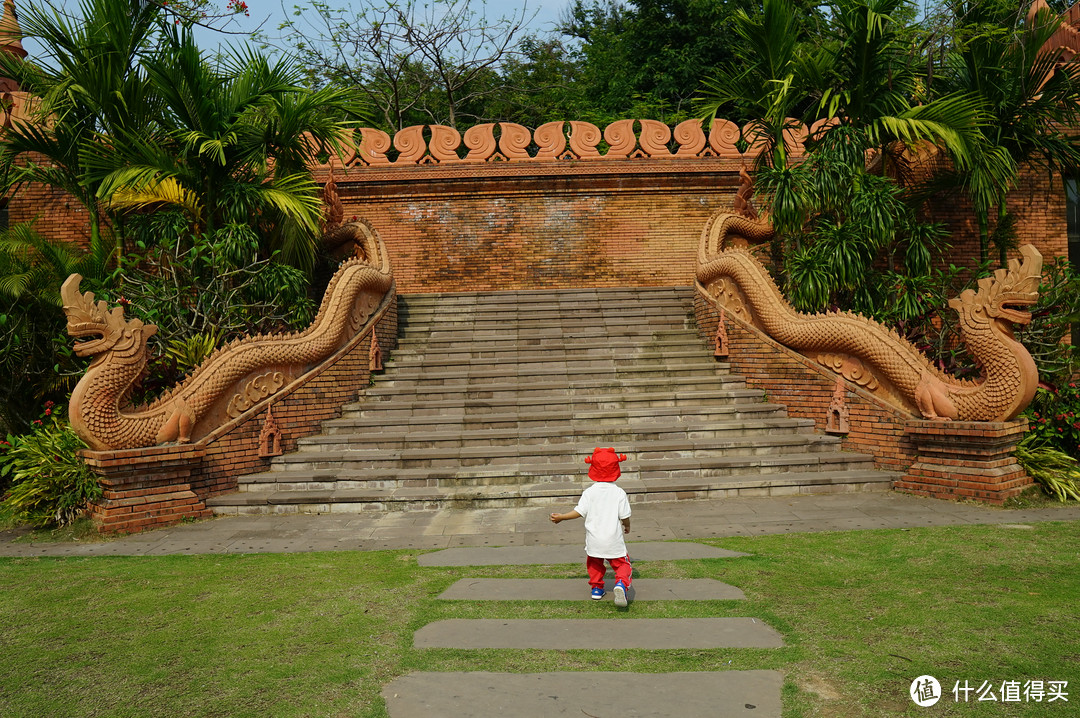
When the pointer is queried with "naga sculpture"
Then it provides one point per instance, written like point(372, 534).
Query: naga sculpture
point(872, 356)
point(228, 382)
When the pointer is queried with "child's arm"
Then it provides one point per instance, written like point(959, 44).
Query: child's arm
point(556, 518)
point(626, 525)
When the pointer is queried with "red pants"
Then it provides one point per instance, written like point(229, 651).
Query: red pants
point(622, 567)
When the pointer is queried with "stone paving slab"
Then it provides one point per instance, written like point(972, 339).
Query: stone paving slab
point(744, 516)
point(725, 694)
point(575, 589)
point(598, 633)
point(545, 555)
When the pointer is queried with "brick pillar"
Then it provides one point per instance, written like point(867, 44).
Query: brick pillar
point(146, 488)
point(965, 460)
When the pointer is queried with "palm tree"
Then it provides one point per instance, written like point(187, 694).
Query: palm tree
point(87, 86)
point(233, 144)
point(1030, 97)
point(837, 216)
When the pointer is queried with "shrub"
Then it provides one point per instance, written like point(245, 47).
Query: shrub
point(49, 484)
point(1054, 416)
point(1056, 473)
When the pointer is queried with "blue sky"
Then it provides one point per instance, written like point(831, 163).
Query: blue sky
point(267, 15)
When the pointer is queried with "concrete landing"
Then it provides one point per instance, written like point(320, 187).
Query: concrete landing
point(545, 555)
point(727, 694)
point(577, 589)
point(598, 633)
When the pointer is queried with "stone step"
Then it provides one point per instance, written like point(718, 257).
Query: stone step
point(724, 694)
point(565, 372)
point(270, 498)
point(553, 555)
point(681, 473)
point(542, 444)
point(561, 432)
point(752, 416)
point(523, 454)
point(663, 311)
point(594, 395)
point(576, 589)
point(575, 297)
point(496, 342)
point(481, 356)
point(597, 633)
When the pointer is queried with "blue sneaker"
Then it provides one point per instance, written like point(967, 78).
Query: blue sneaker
point(620, 595)
point(597, 594)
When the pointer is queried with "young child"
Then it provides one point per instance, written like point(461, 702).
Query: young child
point(604, 507)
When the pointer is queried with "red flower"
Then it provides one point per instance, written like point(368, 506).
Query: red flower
point(37, 422)
point(48, 412)
point(50, 404)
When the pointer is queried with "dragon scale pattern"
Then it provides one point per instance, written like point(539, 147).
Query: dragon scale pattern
point(875, 357)
point(98, 409)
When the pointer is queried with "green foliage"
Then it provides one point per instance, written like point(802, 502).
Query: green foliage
point(36, 360)
point(49, 484)
point(1055, 419)
point(1052, 318)
point(1056, 472)
point(203, 291)
point(841, 224)
point(188, 353)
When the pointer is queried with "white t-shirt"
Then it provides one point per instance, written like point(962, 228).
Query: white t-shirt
point(604, 505)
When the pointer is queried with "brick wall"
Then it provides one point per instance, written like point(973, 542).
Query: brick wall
point(553, 224)
point(1037, 202)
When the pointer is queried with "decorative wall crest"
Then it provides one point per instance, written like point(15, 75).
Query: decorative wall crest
point(573, 140)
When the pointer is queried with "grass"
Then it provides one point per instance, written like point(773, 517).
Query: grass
point(319, 634)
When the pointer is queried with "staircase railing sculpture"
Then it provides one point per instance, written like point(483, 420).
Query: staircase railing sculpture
point(865, 352)
point(230, 382)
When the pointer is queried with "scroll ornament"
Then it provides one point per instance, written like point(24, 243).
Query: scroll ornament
point(874, 357)
point(230, 381)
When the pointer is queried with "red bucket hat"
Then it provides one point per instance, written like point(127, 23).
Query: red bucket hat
point(604, 464)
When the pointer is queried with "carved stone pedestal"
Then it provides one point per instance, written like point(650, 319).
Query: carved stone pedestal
point(146, 488)
point(965, 460)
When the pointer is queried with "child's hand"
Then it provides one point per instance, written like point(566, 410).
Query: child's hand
point(626, 529)
point(555, 518)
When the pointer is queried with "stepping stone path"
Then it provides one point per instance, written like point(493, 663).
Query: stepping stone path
point(483, 694)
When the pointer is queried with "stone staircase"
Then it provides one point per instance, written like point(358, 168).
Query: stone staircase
point(495, 399)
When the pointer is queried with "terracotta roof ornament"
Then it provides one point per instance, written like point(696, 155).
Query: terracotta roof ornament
point(11, 34)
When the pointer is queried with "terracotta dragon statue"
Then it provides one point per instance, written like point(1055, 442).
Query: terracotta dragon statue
point(874, 357)
point(229, 381)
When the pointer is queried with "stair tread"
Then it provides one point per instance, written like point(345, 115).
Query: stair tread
point(565, 488)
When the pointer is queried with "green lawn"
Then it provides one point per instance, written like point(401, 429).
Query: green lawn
point(863, 613)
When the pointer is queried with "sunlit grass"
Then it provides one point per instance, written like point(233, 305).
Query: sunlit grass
point(319, 634)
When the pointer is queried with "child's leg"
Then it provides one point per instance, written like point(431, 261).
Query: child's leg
point(596, 571)
point(623, 569)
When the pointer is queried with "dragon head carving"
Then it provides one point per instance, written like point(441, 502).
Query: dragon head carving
point(87, 318)
point(999, 296)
